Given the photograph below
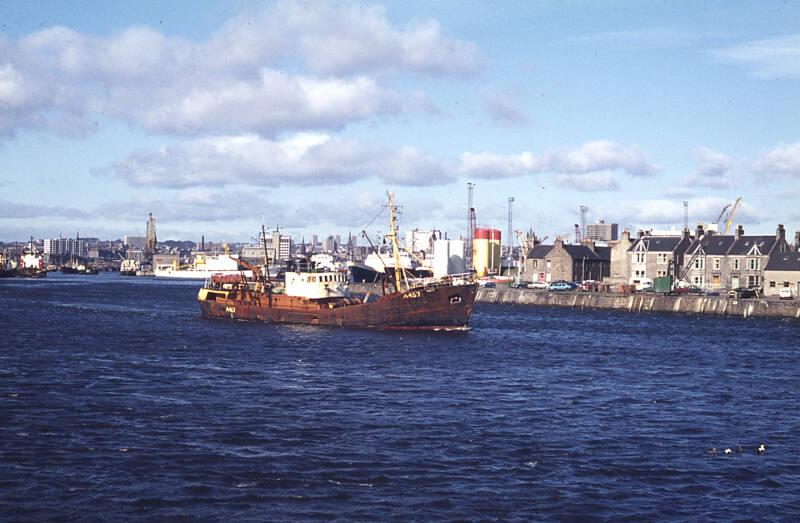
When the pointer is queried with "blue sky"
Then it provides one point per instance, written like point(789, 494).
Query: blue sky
point(216, 115)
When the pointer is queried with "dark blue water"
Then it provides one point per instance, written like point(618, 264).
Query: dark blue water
point(118, 401)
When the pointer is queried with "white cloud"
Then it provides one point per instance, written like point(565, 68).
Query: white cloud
point(491, 165)
point(504, 109)
point(303, 159)
point(711, 164)
point(592, 182)
point(669, 213)
point(783, 160)
point(287, 67)
point(768, 58)
point(591, 157)
point(713, 170)
point(16, 210)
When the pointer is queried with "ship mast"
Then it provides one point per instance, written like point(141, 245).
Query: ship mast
point(395, 249)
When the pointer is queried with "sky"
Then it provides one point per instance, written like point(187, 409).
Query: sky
point(220, 116)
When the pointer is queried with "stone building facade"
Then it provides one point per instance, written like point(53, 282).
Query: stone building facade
point(549, 263)
point(654, 256)
point(620, 261)
point(718, 263)
point(783, 270)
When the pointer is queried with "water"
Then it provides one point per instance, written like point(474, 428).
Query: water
point(118, 401)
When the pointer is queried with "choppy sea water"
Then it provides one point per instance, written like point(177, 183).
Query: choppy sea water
point(118, 401)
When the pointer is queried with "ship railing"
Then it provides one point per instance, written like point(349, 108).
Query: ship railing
point(450, 280)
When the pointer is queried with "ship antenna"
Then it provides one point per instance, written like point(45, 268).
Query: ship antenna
point(266, 256)
point(395, 249)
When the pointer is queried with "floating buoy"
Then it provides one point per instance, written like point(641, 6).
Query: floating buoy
point(761, 448)
point(728, 451)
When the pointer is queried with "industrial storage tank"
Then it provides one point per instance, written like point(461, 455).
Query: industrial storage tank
point(448, 257)
point(486, 251)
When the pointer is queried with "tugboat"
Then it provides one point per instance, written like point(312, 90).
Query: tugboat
point(30, 263)
point(322, 298)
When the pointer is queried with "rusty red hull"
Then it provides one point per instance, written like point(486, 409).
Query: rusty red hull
point(436, 308)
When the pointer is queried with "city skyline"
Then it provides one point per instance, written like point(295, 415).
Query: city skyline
point(218, 116)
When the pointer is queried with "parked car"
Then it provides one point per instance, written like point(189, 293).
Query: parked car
point(588, 285)
point(520, 285)
point(691, 289)
point(538, 285)
point(742, 293)
point(487, 284)
point(560, 286)
point(785, 293)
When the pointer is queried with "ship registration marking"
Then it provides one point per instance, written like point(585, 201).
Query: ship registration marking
point(411, 295)
point(230, 309)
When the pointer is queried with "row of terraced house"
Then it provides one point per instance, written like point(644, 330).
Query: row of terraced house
point(711, 261)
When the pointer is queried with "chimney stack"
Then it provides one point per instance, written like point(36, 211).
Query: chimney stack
point(639, 233)
point(739, 231)
point(780, 233)
point(699, 231)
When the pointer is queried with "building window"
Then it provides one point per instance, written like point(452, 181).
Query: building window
point(699, 263)
point(640, 257)
point(698, 280)
point(535, 264)
point(661, 273)
point(716, 264)
point(736, 264)
point(786, 284)
point(662, 258)
point(772, 284)
point(752, 280)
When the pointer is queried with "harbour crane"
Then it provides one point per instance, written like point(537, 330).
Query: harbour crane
point(726, 217)
point(729, 221)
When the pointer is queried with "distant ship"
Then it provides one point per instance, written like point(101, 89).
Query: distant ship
point(129, 267)
point(314, 297)
point(30, 263)
point(78, 268)
point(204, 267)
point(379, 266)
point(7, 269)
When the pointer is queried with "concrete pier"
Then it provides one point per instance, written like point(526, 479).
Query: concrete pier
point(644, 302)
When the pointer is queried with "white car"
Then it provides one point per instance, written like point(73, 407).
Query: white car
point(538, 285)
point(786, 293)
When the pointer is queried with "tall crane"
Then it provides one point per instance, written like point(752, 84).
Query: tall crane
point(510, 240)
point(729, 221)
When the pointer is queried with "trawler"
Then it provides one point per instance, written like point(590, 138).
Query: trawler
point(309, 296)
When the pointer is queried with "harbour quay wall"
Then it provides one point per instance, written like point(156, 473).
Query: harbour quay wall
point(644, 302)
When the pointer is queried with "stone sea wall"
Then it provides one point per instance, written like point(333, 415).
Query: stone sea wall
point(644, 302)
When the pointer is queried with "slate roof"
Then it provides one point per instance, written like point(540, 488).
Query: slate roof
point(578, 252)
point(540, 251)
point(784, 261)
point(742, 246)
point(714, 244)
point(604, 253)
point(657, 243)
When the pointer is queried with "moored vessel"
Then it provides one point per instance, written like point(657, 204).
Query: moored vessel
point(314, 297)
point(204, 266)
point(31, 263)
